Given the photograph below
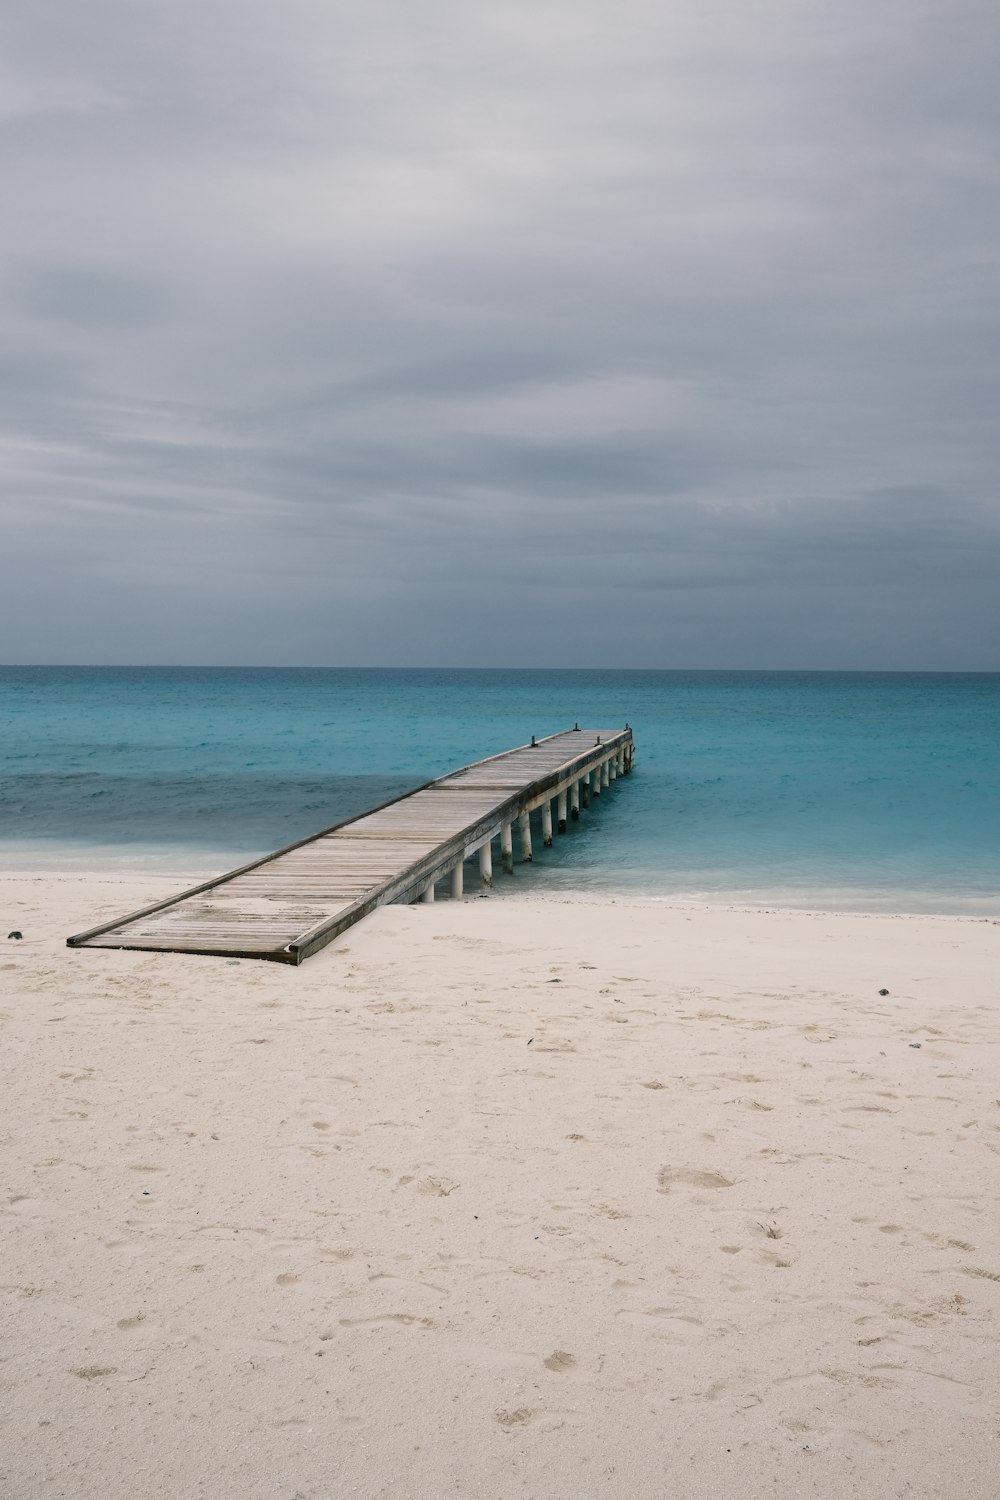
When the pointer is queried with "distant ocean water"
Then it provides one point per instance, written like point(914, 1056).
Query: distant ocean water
point(868, 791)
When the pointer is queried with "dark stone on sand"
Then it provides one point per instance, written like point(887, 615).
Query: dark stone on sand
point(15, 934)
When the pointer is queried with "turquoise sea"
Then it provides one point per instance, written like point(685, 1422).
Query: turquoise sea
point(871, 791)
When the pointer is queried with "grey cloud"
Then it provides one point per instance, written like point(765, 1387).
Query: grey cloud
point(94, 297)
point(328, 329)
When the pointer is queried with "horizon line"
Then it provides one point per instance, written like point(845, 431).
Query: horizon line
point(448, 667)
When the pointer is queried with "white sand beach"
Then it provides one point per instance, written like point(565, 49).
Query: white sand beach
point(501, 1198)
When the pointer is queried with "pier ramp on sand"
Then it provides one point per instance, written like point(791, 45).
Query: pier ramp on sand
point(290, 904)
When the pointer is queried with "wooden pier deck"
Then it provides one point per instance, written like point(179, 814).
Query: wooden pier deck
point(290, 904)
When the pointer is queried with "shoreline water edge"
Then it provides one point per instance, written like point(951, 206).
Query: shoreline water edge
point(871, 791)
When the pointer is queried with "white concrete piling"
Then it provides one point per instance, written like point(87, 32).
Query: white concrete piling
point(458, 881)
point(547, 824)
point(507, 849)
point(561, 812)
point(486, 864)
point(524, 834)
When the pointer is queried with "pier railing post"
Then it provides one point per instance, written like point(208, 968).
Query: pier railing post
point(486, 864)
point(561, 812)
point(547, 824)
point(507, 849)
point(524, 833)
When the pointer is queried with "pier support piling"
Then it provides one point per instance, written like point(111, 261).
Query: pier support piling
point(524, 834)
point(458, 881)
point(486, 864)
point(561, 812)
point(574, 798)
point(507, 849)
point(428, 892)
point(547, 824)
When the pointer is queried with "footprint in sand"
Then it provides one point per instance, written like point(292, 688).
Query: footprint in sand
point(559, 1361)
point(405, 1320)
point(437, 1187)
point(510, 1419)
point(668, 1177)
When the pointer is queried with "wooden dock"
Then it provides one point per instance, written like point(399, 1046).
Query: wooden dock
point(290, 904)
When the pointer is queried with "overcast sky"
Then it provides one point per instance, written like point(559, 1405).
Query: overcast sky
point(416, 332)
